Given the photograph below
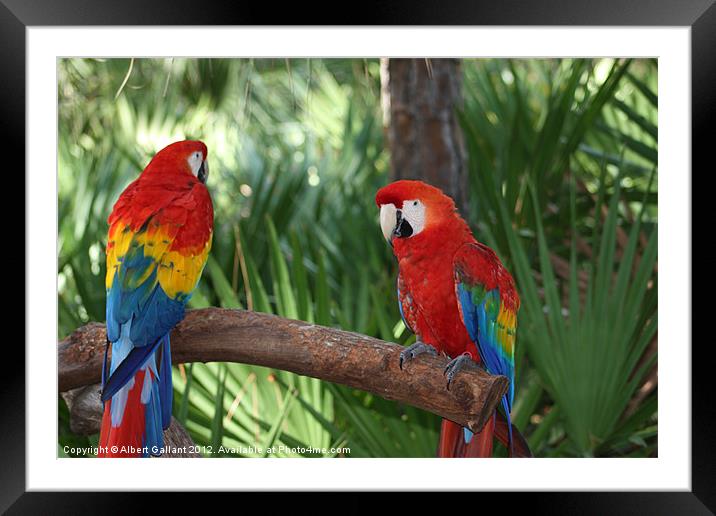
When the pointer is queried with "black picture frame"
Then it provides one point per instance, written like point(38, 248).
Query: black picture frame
point(699, 15)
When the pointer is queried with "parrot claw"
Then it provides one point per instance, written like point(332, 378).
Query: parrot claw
point(414, 350)
point(454, 366)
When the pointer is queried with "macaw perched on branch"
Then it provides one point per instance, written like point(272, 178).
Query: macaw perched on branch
point(458, 299)
point(159, 238)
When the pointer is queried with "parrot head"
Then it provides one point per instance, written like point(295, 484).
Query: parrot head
point(180, 158)
point(413, 213)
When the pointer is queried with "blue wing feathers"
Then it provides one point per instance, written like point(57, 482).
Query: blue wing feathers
point(113, 320)
point(480, 310)
point(468, 313)
point(160, 315)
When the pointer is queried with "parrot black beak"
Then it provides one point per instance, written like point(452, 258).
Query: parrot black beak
point(403, 229)
point(203, 173)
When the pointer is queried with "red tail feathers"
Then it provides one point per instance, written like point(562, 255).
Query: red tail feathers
point(520, 448)
point(452, 439)
point(125, 440)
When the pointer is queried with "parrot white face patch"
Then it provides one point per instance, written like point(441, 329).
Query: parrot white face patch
point(414, 212)
point(405, 222)
point(195, 160)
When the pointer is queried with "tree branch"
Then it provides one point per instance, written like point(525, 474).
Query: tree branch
point(223, 335)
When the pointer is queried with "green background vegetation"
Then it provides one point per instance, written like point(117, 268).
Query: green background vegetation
point(562, 164)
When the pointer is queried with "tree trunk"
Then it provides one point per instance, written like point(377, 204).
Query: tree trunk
point(420, 98)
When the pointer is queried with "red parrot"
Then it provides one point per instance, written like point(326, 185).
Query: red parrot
point(455, 295)
point(160, 233)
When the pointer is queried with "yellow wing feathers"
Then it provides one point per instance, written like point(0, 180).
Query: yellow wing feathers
point(176, 271)
point(506, 326)
point(180, 274)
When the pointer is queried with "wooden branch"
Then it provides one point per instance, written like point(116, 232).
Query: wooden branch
point(223, 335)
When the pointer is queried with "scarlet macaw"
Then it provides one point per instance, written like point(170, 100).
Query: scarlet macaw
point(160, 233)
point(458, 299)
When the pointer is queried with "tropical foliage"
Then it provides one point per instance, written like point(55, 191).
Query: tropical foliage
point(562, 164)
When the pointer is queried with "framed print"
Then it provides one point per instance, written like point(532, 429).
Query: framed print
point(384, 246)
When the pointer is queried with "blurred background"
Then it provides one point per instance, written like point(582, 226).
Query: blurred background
point(553, 163)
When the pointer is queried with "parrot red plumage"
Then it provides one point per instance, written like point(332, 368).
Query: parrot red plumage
point(160, 232)
point(458, 299)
